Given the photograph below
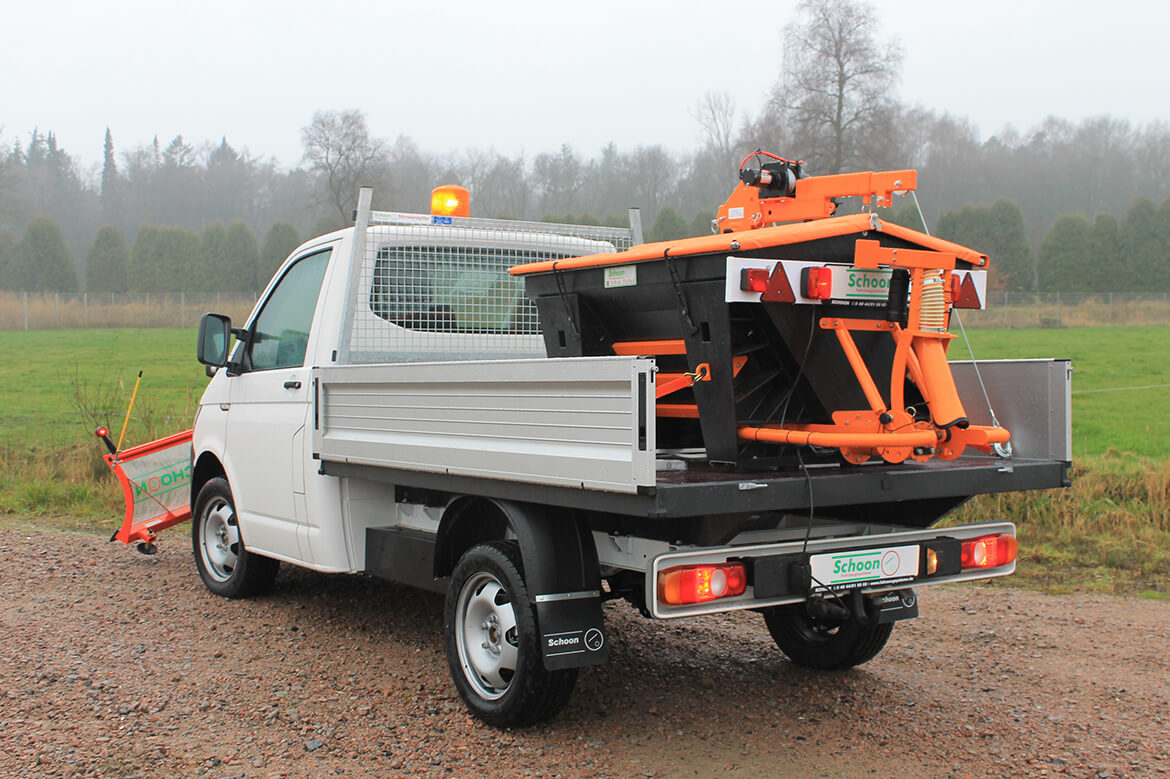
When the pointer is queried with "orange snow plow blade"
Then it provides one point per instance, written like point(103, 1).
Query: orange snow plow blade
point(156, 483)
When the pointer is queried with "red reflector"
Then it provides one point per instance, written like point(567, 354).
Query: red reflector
point(989, 551)
point(754, 279)
point(968, 295)
point(101, 432)
point(818, 283)
point(779, 290)
point(699, 583)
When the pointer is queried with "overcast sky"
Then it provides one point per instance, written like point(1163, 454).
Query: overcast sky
point(527, 77)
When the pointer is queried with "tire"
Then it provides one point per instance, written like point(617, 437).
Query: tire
point(827, 645)
point(492, 642)
point(225, 565)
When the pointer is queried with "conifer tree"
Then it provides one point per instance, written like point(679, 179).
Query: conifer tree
point(1143, 254)
point(108, 261)
point(145, 271)
point(278, 245)
point(1066, 255)
point(215, 268)
point(111, 193)
point(1106, 255)
point(243, 257)
point(42, 261)
point(668, 225)
point(7, 259)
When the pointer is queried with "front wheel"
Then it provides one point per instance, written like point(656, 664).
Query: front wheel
point(492, 641)
point(225, 565)
point(826, 644)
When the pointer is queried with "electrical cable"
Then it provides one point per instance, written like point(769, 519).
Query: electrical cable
point(812, 329)
point(804, 467)
point(1003, 450)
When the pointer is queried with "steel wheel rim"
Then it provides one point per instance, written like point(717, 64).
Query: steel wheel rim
point(219, 540)
point(486, 636)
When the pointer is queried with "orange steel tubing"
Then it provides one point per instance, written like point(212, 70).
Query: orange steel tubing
point(859, 368)
point(982, 435)
point(678, 410)
point(636, 348)
point(744, 241)
point(837, 440)
point(898, 372)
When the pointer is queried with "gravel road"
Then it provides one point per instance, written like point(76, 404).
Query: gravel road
point(122, 665)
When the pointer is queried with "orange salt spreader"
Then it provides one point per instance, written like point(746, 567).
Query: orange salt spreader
point(791, 331)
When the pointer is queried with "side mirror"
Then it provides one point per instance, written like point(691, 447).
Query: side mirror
point(215, 336)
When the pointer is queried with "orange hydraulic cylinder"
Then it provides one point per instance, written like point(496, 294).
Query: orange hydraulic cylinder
point(945, 407)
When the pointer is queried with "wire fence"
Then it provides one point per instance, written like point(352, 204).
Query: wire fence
point(1070, 309)
point(48, 311)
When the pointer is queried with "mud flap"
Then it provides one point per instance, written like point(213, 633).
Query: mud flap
point(564, 583)
point(891, 606)
point(572, 633)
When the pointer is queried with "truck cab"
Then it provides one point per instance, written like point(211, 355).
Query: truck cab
point(427, 292)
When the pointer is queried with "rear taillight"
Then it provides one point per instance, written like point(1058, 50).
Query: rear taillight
point(700, 583)
point(989, 551)
point(818, 283)
point(754, 279)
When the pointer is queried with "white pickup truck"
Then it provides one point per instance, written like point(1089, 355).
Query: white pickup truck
point(391, 408)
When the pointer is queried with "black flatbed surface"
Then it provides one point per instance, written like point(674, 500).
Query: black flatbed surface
point(702, 489)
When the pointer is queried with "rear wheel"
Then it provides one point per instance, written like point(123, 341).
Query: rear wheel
point(225, 565)
point(824, 643)
point(492, 641)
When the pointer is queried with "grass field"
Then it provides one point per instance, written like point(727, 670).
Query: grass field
point(1110, 531)
point(58, 386)
point(1109, 414)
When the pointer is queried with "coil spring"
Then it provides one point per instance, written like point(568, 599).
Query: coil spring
point(932, 308)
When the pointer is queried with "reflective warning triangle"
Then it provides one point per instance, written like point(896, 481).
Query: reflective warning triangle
point(779, 289)
point(968, 295)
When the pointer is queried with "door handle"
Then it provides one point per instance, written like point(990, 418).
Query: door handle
point(292, 384)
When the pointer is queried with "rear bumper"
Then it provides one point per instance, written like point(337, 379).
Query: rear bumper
point(769, 567)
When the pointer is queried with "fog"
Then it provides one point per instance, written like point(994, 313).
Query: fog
point(526, 77)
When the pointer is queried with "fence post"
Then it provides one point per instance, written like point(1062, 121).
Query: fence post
point(148, 309)
point(1058, 309)
point(57, 308)
point(85, 303)
point(1005, 306)
point(182, 309)
point(26, 311)
point(218, 305)
point(1110, 308)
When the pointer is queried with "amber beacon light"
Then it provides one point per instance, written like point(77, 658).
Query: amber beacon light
point(450, 200)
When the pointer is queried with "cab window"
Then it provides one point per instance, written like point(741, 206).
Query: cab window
point(280, 333)
point(454, 289)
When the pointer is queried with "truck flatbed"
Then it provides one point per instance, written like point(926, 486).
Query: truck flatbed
point(919, 492)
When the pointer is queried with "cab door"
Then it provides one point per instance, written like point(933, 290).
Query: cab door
point(270, 404)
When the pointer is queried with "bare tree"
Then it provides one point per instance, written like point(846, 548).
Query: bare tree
point(339, 147)
point(505, 191)
point(557, 178)
point(715, 113)
point(838, 81)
